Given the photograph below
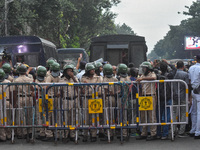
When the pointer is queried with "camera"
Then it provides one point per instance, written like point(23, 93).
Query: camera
point(6, 56)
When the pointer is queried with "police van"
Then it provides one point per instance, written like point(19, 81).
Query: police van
point(31, 50)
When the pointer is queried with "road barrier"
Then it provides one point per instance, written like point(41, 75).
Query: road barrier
point(66, 108)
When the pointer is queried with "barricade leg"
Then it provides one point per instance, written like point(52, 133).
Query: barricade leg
point(8, 119)
point(182, 119)
point(13, 123)
point(172, 124)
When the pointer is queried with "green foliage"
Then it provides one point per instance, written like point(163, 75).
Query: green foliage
point(67, 23)
point(124, 29)
point(172, 46)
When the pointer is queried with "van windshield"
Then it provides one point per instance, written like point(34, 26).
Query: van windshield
point(69, 58)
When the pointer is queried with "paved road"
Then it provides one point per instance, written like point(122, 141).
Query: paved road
point(179, 143)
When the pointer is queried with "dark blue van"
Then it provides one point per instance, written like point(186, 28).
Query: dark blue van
point(32, 50)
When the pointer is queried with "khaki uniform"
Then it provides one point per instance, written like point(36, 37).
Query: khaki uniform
point(52, 93)
point(5, 133)
point(51, 79)
point(126, 79)
point(69, 99)
point(48, 73)
point(88, 93)
point(24, 103)
point(149, 89)
point(109, 102)
point(40, 116)
point(10, 78)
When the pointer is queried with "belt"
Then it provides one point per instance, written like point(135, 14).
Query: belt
point(149, 95)
point(24, 95)
point(52, 96)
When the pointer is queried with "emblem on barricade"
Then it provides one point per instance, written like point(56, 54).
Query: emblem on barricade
point(95, 106)
point(146, 103)
point(50, 105)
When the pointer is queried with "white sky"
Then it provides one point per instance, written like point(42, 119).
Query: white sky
point(151, 18)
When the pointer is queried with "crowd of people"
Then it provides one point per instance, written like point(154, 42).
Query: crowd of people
point(99, 72)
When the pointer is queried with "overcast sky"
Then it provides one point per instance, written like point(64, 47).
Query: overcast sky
point(151, 18)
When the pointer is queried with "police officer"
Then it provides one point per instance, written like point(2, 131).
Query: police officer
point(49, 62)
point(23, 96)
point(5, 133)
point(89, 77)
point(122, 73)
point(7, 69)
point(53, 93)
point(148, 89)
point(40, 78)
point(69, 100)
point(110, 99)
point(98, 68)
point(54, 73)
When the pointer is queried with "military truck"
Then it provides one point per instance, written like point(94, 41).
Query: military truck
point(119, 49)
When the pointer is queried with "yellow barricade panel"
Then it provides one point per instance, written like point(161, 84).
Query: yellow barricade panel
point(146, 103)
point(95, 106)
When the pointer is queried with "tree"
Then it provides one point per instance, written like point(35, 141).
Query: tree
point(172, 46)
point(67, 23)
point(124, 29)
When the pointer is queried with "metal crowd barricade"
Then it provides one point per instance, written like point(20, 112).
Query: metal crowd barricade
point(18, 104)
point(66, 108)
point(132, 107)
point(172, 104)
point(88, 108)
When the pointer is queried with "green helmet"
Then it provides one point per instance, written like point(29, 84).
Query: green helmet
point(89, 66)
point(6, 67)
point(68, 67)
point(147, 64)
point(107, 69)
point(97, 65)
point(41, 71)
point(55, 69)
point(122, 69)
point(50, 62)
point(55, 66)
point(21, 68)
point(2, 75)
